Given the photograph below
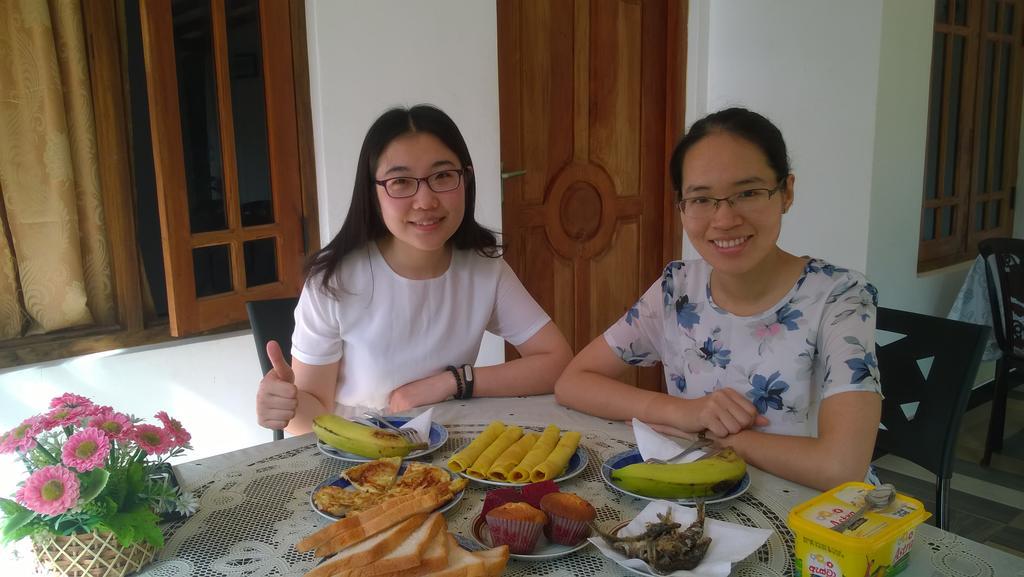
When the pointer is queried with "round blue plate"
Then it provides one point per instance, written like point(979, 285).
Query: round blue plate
point(345, 484)
point(633, 456)
point(577, 463)
point(438, 436)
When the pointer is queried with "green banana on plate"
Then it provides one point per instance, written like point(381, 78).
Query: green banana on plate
point(705, 477)
point(360, 439)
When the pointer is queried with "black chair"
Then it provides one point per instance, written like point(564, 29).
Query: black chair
point(272, 320)
point(1004, 274)
point(925, 433)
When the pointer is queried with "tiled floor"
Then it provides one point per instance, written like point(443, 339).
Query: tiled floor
point(986, 503)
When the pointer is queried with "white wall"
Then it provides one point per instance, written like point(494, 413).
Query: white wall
point(901, 131)
point(847, 83)
point(811, 66)
point(364, 58)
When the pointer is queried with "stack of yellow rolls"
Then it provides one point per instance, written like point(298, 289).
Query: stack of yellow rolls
point(507, 454)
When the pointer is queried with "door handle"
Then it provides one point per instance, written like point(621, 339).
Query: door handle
point(512, 174)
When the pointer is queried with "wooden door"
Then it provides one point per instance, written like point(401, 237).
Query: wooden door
point(591, 102)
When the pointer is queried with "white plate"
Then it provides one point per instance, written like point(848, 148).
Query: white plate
point(633, 456)
point(438, 436)
point(577, 463)
point(543, 551)
point(345, 484)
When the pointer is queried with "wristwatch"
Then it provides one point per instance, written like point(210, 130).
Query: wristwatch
point(467, 372)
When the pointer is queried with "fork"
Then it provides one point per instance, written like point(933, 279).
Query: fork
point(699, 443)
point(410, 435)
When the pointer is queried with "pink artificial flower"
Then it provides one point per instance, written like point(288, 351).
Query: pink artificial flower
point(50, 491)
point(152, 439)
point(86, 449)
point(116, 425)
point(64, 417)
point(69, 401)
point(23, 437)
point(180, 435)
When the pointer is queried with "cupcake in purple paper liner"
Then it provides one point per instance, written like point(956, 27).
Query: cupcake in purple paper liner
point(569, 516)
point(517, 525)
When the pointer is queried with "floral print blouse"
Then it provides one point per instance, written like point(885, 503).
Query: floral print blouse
point(819, 340)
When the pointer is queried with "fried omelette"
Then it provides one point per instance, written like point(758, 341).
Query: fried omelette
point(374, 476)
point(417, 476)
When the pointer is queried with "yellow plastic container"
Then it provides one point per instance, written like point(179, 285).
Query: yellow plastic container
point(877, 545)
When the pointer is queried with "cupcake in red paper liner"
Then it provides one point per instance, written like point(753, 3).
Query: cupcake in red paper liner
point(568, 518)
point(517, 525)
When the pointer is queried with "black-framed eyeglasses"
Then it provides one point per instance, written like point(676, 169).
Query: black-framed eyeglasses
point(406, 186)
point(745, 202)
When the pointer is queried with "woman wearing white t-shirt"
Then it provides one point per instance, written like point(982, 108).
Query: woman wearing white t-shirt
point(394, 308)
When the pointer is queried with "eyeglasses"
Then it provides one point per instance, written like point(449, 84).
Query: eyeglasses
point(406, 186)
point(746, 202)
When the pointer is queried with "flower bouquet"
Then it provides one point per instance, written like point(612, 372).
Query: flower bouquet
point(97, 479)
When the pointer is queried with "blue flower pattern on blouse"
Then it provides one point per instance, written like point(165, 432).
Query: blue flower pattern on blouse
point(686, 312)
point(767, 392)
point(816, 342)
point(678, 381)
point(715, 353)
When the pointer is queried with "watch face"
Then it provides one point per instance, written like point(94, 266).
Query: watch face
point(468, 370)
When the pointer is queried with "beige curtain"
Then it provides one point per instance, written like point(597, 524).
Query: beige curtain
point(57, 255)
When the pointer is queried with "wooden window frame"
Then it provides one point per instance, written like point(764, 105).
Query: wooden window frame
point(102, 22)
point(962, 244)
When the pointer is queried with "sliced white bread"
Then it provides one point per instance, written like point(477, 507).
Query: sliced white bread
point(369, 526)
point(408, 554)
point(461, 563)
point(350, 522)
point(494, 560)
point(433, 559)
point(369, 550)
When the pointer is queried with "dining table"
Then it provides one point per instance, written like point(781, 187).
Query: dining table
point(254, 505)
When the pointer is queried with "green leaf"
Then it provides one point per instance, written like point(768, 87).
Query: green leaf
point(122, 527)
point(135, 525)
point(34, 526)
point(91, 483)
point(15, 522)
point(151, 534)
point(9, 507)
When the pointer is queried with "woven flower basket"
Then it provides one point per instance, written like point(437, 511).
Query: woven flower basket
point(90, 554)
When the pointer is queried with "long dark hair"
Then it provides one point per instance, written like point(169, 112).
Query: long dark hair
point(364, 223)
point(741, 122)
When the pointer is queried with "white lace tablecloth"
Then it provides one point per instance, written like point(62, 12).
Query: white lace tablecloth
point(254, 506)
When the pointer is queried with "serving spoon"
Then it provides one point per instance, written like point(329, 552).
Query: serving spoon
point(876, 499)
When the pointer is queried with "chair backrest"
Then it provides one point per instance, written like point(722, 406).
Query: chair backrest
point(1004, 271)
point(272, 320)
point(927, 374)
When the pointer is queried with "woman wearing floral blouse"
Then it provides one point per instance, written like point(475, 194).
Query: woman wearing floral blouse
point(770, 353)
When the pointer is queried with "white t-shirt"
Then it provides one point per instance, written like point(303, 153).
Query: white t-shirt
point(389, 330)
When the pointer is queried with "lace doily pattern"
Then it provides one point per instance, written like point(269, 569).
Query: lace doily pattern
point(251, 515)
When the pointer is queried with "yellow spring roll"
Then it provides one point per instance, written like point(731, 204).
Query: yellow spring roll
point(540, 451)
point(504, 464)
point(483, 463)
point(464, 458)
point(556, 462)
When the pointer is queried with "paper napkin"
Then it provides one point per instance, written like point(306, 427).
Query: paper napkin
point(730, 542)
point(654, 445)
point(421, 423)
